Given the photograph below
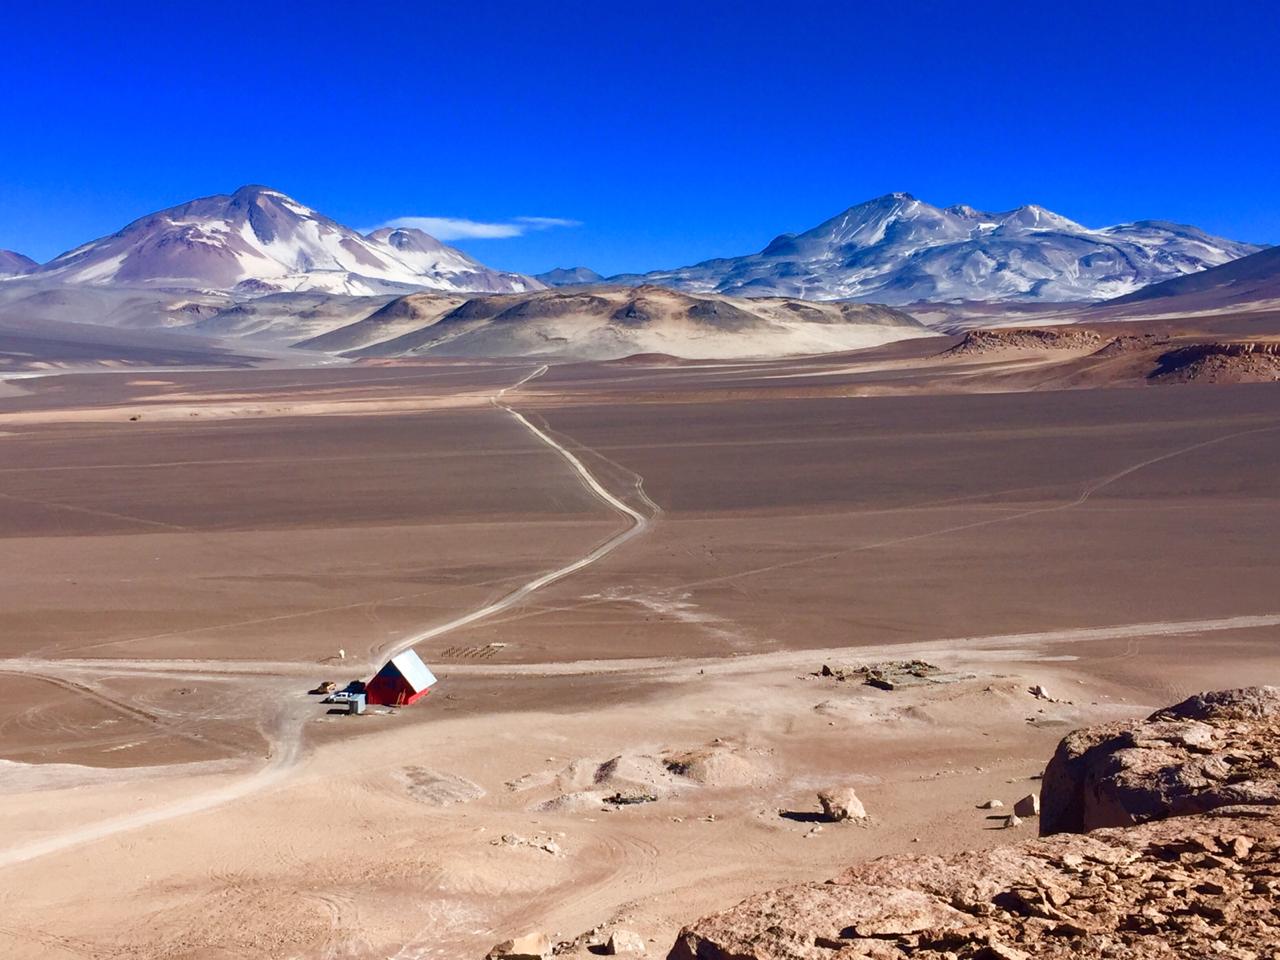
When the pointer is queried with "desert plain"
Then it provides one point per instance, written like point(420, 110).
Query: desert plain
point(628, 577)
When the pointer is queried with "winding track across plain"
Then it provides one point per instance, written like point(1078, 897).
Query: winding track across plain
point(638, 524)
point(287, 743)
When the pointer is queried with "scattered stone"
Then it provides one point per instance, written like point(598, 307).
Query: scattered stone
point(545, 843)
point(629, 797)
point(1028, 806)
point(991, 805)
point(1039, 692)
point(841, 803)
point(624, 943)
point(888, 674)
point(1012, 821)
point(531, 946)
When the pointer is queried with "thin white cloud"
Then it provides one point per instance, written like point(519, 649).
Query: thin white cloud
point(542, 223)
point(459, 228)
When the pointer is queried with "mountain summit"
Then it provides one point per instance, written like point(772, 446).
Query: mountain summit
point(258, 240)
point(13, 264)
point(897, 249)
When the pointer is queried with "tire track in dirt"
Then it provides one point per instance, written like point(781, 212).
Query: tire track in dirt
point(637, 524)
point(287, 743)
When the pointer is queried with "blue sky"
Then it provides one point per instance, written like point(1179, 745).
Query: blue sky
point(661, 133)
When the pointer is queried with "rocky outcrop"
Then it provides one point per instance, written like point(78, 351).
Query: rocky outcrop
point(1206, 884)
point(1244, 362)
point(1213, 750)
point(979, 342)
point(1165, 889)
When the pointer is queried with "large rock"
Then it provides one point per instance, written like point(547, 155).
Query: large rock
point(624, 943)
point(841, 803)
point(1186, 887)
point(531, 946)
point(1028, 806)
point(1213, 750)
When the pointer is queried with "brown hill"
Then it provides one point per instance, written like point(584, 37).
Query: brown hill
point(401, 316)
point(607, 323)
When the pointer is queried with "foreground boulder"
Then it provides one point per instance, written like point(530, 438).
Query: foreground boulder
point(531, 946)
point(1214, 750)
point(1028, 806)
point(1167, 889)
point(624, 943)
point(841, 803)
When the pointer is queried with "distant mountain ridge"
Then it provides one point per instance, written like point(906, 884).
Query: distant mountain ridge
point(569, 276)
point(1249, 280)
point(896, 249)
point(259, 241)
point(610, 322)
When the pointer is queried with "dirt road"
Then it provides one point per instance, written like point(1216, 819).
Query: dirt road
point(287, 733)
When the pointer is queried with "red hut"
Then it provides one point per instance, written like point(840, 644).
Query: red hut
point(402, 680)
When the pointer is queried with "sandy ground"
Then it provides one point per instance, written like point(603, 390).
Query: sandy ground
point(627, 589)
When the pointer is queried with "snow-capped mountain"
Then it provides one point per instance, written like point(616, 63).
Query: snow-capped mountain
point(14, 264)
point(897, 249)
point(258, 241)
